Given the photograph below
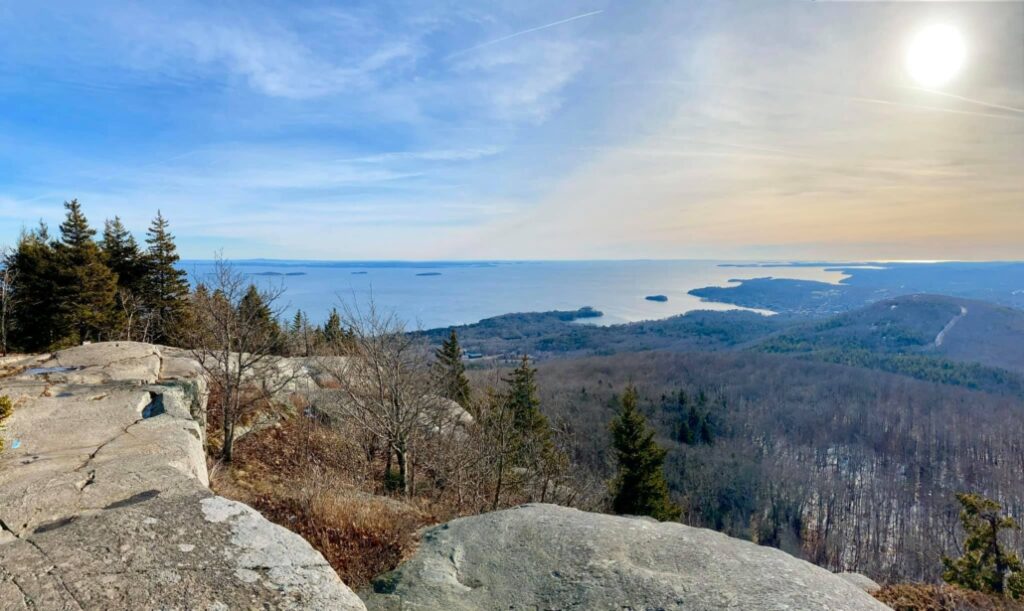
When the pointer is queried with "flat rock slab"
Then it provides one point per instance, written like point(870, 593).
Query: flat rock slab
point(104, 502)
point(550, 557)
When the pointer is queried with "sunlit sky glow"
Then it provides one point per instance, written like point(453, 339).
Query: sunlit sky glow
point(458, 130)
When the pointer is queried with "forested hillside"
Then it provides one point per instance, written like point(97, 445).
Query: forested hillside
point(850, 468)
point(932, 337)
point(558, 334)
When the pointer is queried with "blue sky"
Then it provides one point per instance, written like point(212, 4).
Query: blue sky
point(427, 130)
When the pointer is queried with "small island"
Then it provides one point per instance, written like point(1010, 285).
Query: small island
point(584, 312)
point(359, 273)
point(279, 274)
point(429, 274)
point(661, 298)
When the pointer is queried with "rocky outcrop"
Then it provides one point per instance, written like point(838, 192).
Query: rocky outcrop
point(104, 504)
point(104, 501)
point(550, 557)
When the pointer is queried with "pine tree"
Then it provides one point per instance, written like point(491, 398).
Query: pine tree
point(986, 564)
point(166, 286)
point(451, 371)
point(88, 288)
point(639, 488)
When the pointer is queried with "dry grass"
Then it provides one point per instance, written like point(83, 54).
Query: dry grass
point(931, 597)
point(309, 478)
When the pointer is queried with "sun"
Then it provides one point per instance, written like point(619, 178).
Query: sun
point(935, 55)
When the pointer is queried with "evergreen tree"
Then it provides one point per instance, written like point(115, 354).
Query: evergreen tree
point(332, 331)
point(522, 399)
point(451, 372)
point(706, 435)
point(301, 337)
point(75, 232)
point(639, 488)
point(123, 256)
point(256, 314)
point(531, 442)
point(298, 322)
point(35, 310)
point(166, 286)
point(986, 564)
point(686, 433)
point(333, 336)
point(88, 288)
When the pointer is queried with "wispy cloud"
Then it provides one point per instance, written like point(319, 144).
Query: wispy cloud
point(342, 131)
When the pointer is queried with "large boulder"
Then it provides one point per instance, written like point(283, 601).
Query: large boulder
point(104, 502)
point(550, 557)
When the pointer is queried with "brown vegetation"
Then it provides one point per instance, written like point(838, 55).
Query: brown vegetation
point(308, 478)
point(928, 597)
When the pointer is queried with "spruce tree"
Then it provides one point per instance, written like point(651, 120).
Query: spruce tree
point(301, 338)
point(532, 444)
point(451, 372)
point(88, 288)
point(686, 433)
point(35, 310)
point(123, 256)
point(639, 488)
point(524, 403)
point(166, 286)
point(333, 336)
point(256, 317)
point(332, 331)
point(298, 322)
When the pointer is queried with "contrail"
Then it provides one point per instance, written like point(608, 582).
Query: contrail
point(969, 100)
point(517, 34)
point(929, 108)
point(864, 100)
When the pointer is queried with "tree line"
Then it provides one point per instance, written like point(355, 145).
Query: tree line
point(60, 291)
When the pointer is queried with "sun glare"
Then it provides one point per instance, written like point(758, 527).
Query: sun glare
point(935, 55)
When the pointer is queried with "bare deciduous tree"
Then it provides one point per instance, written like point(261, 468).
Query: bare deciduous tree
point(235, 338)
point(136, 323)
point(386, 388)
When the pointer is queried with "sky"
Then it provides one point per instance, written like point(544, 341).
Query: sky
point(436, 129)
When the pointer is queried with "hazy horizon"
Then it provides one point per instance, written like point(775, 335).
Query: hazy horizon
point(578, 131)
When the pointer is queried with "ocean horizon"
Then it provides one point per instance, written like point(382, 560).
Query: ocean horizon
point(433, 294)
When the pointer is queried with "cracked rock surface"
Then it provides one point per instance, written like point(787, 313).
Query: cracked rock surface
point(550, 557)
point(104, 503)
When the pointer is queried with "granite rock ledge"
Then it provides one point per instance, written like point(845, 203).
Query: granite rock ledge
point(104, 497)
